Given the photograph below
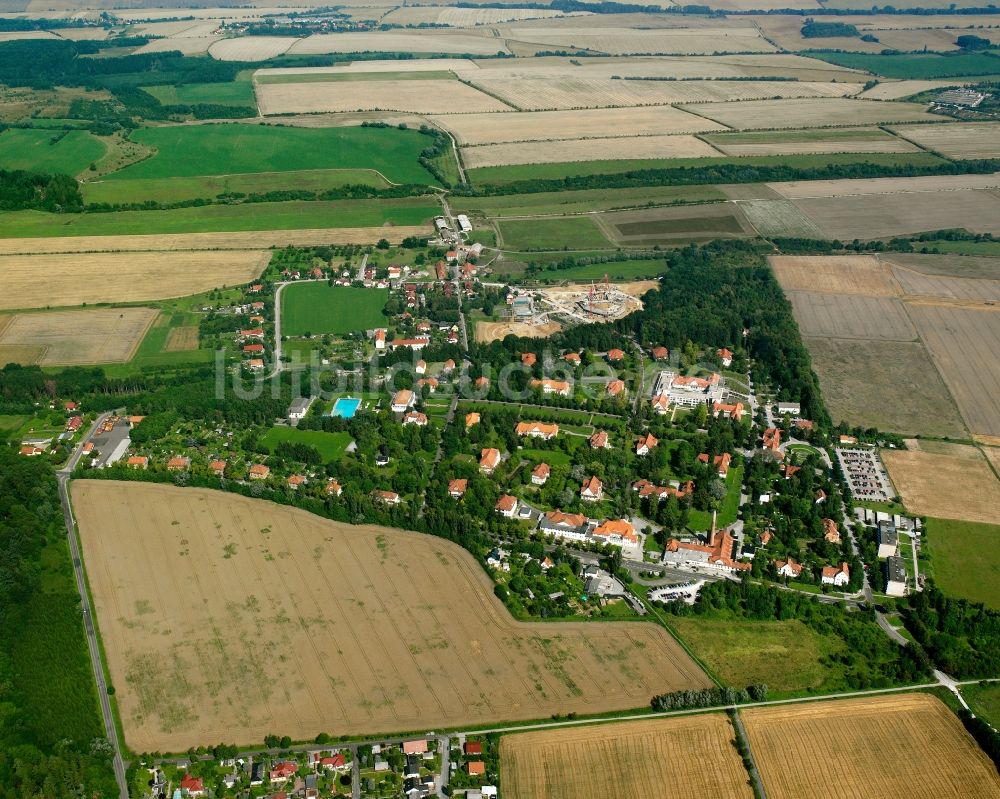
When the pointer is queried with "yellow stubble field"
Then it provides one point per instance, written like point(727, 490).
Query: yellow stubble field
point(60, 338)
point(227, 618)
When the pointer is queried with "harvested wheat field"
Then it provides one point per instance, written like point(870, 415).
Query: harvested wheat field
point(121, 277)
point(545, 93)
point(415, 41)
point(876, 144)
point(945, 486)
point(389, 65)
point(228, 617)
point(61, 338)
point(841, 187)
point(172, 242)
point(898, 89)
point(809, 113)
point(497, 331)
point(628, 41)
point(250, 48)
point(553, 152)
point(549, 125)
point(962, 140)
point(851, 316)
point(664, 758)
point(838, 274)
point(462, 17)
point(908, 745)
point(414, 96)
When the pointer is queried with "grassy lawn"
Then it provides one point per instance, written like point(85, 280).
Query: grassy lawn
point(551, 457)
point(728, 510)
point(916, 65)
point(568, 233)
point(786, 655)
point(192, 150)
point(205, 219)
point(789, 136)
point(615, 270)
point(984, 701)
point(49, 150)
point(511, 174)
point(330, 445)
point(237, 92)
point(954, 546)
point(802, 450)
point(167, 190)
point(318, 308)
point(10, 424)
point(962, 247)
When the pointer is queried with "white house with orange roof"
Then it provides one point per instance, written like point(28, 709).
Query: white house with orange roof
point(839, 576)
point(592, 489)
point(537, 430)
point(489, 459)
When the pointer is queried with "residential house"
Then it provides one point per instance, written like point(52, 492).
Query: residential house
point(832, 575)
point(787, 568)
point(471, 420)
point(660, 353)
point(253, 349)
point(218, 468)
point(260, 472)
point(790, 470)
point(421, 367)
point(661, 493)
point(559, 387)
point(615, 355)
point(30, 451)
point(296, 480)
point(725, 357)
point(540, 474)
point(537, 430)
point(728, 411)
point(771, 439)
point(417, 747)
point(661, 404)
point(482, 384)
point(721, 462)
point(449, 366)
point(529, 358)
point(334, 762)
point(281, 772)
point(333, 488)
point(430, 382)
point(457, 487)
point(646, 444)
point(192, 786)
point(476, 768)
point(415, 417)
point(831, 532)
point(402, 401)
point(600, 440)
point(299, 408)
point(386, 497)
point(74, 423)
point(472, 748)
point(820, 496)
point(592, 490)
point(615, 388)
point(379, 338)
point(572, 358)
point(178, 463)
point(507, 506)
point(489, 459)
point(255, 364)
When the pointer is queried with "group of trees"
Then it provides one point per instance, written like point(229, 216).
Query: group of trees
point(709, 697)
point(20, 190)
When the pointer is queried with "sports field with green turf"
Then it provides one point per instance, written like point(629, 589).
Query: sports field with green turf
point(499, 175)
point(569, 233)
point(236, 93)
point(233, 218)
point(316, 308)
point(330, 445)
point(170, 190)
point(953, 546)
point(49, 150)
point(196, 150)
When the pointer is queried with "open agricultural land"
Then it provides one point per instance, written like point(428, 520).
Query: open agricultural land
point(916, 331)
point(932, 755)
point(632, 760)
point(119, 277)
point(60, 338)
point(289, 622)
point(955, 545)
point(316, 308)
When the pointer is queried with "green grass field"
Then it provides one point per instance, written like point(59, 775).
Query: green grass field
point(36, 151)
point(917, 65)
point(786, 655)
point(984, 701)
point(792, 136)
point(170, 190)
point(237, 93)
point(615, 270)
point(567, 233)
point(498, 175)
point(954, 546)
point(729, 509)
point(205, 219)
point(330, 445)
point(317, 308)
point(566, 202)
point(195, 150)
point(962, 247)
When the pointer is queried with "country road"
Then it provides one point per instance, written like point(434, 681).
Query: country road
point(110, 730)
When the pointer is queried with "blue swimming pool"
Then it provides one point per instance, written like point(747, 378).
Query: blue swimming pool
point(345, 407)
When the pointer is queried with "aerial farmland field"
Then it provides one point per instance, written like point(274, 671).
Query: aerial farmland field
point(550, 152)
point(837, 274)
point(60, 338)
point(809, 113)
point(963, 140)
point(228, 619)
point(931, 754)
point(628, 760)
point(135, 276)
point(953, 486)
point(69, 152)
point(851, 316)
point(317, 308)
point(955, 544)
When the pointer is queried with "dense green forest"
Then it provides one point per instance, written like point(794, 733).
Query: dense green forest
point(21, 190)
point(51, 738)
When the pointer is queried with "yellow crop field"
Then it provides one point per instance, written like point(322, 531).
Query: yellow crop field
point(462, 17)
point(908, 745)
point(837, 274)
point(479, 42)
point(586, 124)
point(625, 41)
point(551, 152)
point(691, 757)
point(250, 48)
point(174, 242)
point(542, 93)
point(228, 618)
point(809, 113)
point(415, 96)
point(945, 486)
point(38, 281)
point(962, 140)
point(60, 338)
